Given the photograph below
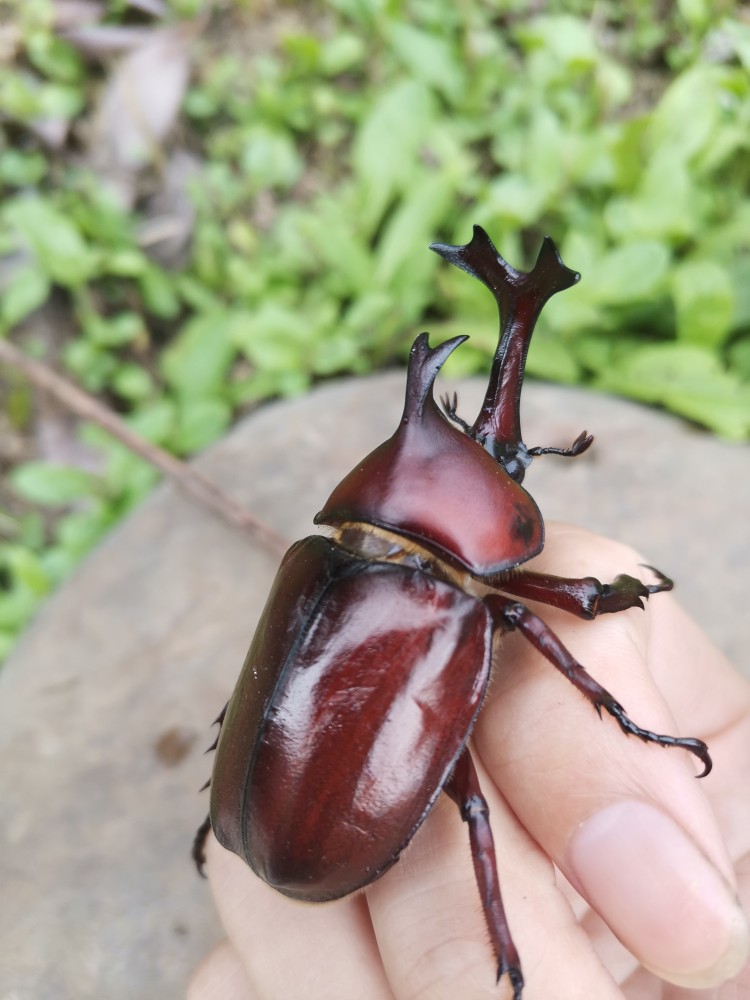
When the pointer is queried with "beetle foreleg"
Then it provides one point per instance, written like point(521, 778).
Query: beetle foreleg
point(581, 443)
point(463, 787)
point(586, 597)
point(515, 615)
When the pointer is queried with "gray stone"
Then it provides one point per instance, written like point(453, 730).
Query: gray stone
point(106, 705)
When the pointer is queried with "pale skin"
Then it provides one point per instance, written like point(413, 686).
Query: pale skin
point(660, 861)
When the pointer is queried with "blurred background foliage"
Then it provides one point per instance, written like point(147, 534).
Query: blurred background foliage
point(208, 204)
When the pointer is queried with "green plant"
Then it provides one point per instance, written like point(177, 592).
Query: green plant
point(328, 156)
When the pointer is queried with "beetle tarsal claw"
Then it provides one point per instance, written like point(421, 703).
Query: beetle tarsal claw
point(581, 443)
point(692, 745)
point(664, 583)
point(514, 975)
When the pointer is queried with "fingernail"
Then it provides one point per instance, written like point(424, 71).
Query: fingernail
point(666, 903)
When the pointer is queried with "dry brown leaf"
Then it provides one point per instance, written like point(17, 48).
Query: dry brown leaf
point(106, 39)
point(140, 102)
point(156, 7)
point(170, 212)
point(70, 14)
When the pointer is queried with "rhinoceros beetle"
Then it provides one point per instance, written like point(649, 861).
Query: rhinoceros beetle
point(372, 657)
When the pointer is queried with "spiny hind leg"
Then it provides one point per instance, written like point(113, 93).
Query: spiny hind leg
point(463, 787)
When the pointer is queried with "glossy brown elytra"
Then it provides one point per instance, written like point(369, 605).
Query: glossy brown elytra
point(372, 657)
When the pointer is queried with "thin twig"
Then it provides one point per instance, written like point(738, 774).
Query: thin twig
point(88, 408)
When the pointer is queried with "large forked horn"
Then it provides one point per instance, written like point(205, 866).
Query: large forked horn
point(520, 297)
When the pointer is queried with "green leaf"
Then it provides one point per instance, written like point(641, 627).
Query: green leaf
point(667, 205)
point(198, 359)
point(695, 97)
point(631, 272)
point(16, 607)
point(515, 200)
point(80, 531)
point(385, 150)
point(704, 302)
point(9, 527)
point(739, 34)
point(342, 53)
point(155, 421)
point(91, 363)
point(272, 337)
point(132, 382)
point(27, 569)
point(366, 314)
point(33, 531)
point(7, 641)
point(569, 40)
point(401, 249)
point(269, 158)
point(26, 292)
point(126, 262)
point(595, 352)
point(739, 358)
point(127, 477)
point(264, 384)
point(115, 331)
point(54, 57)
point(159, 293)
point(52, 485)
point(59, 101)
point(429, 58)
point(60, 562)
point(687, 379)
point(338, 352)
point(331, 236)
point(61, 251)
point(20, 169)
point(695, 12)
point(550, 358)
point(200, 422)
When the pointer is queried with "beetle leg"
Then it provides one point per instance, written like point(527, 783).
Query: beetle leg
point(514, 615)
point(463, 787)
point(581, 443)
point(198, 852)
point(450, 407)
point(586, 597)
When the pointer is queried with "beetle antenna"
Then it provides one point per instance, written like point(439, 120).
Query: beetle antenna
point(520, 296)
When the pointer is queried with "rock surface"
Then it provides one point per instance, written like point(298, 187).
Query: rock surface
point(105, 708)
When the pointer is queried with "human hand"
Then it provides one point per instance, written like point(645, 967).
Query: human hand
point(656, 856)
